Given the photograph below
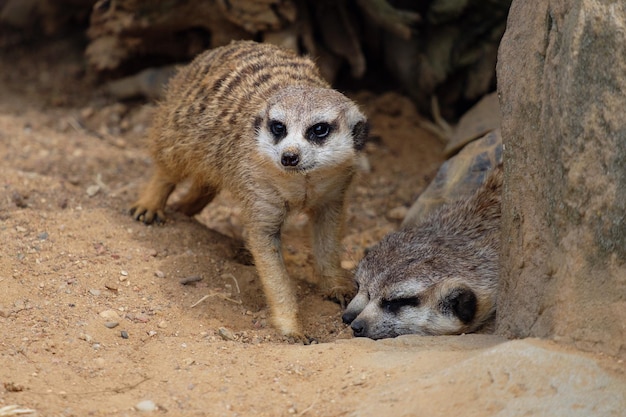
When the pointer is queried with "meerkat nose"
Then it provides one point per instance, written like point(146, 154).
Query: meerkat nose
point(290, 159)
point(348, 317)
point(358, 327)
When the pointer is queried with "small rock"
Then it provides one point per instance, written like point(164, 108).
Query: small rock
point(112, 286)
point(162, 324)
point(18, 200)
point(124, 334)
point(225, 333)
point(349, 265)
point(159, 274)
point(146, 405)
point(13, 387)
point(152, 333)
point(42, 236)
point(190, 279)
point(110, 315)
point(111, 324)
point(94, 292)
point(85, 337)
point(92, 190)
point(124, 273)
point(139, 317)
point(397, 213)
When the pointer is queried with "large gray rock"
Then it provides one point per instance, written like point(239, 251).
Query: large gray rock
point(562, 83)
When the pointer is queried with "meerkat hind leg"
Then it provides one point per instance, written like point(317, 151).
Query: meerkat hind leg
point(198, 196)
point(149, 208)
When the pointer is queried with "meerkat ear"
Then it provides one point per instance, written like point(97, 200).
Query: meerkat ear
point(360, 132)
point(462, 302)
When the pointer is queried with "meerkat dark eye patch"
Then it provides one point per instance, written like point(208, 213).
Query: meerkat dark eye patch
point(277, 129)
point(360, 134)
point(462, 302)
point(395, 305)
point(318, 132)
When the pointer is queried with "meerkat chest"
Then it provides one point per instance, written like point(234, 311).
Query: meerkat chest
point(303, 192)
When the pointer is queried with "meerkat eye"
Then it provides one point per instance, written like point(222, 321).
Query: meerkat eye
point(395, 305)
point(278, 129)
point(318, 132)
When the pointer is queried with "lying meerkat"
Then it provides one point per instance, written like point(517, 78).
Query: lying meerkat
point(437, 278)
point(260, 122)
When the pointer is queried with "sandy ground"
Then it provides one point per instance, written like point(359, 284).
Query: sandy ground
point(94, 318)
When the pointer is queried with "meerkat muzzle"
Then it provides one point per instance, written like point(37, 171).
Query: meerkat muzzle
point(290, 159)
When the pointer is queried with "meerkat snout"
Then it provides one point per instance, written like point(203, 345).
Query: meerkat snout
point(290, 159)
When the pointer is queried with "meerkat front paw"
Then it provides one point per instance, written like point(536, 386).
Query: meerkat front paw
point(149, 208)
point(146, 215)
point(339, 290)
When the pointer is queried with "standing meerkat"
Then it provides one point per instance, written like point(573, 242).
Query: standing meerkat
point(262, 123)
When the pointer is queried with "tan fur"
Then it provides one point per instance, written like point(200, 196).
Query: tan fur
point(214, 128)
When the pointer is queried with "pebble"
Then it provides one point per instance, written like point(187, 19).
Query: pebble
point(225, 333)
point(139, 318)
point(94, 292)
point(92, 190)
point(85, 337)
point(111, 324)
point(162, 324)
point(190, 279)
point(349, 265)
point(397, 213)
point(146, 405)
point(124, 334)
point(42, 236)
point(159, 274)
point(124, 273)
point(110, 315)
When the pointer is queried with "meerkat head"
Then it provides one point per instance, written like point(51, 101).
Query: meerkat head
point(305, 128)
point(405, 287)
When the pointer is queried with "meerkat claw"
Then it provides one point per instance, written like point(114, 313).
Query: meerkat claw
point(146, 216)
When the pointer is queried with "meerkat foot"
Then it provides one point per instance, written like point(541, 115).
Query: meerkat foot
point(289, 327)
point(149, 208)
point(146, 215)
point(338, 287)
point(304, 340)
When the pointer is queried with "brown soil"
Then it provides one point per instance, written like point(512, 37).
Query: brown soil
point(72, 259)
